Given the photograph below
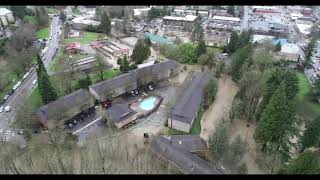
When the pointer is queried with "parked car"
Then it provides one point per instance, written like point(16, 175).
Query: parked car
point(25, 75)
point(1, 109)
point(34, 82)
point(7, 109)
point(20, 131)
point(6, 97)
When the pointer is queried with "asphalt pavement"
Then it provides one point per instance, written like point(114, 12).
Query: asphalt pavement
point(25, 89)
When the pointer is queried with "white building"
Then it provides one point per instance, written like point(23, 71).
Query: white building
point(304, 26)
point(186, 22)
point(203, 14)
point(290, 52)
point(6, 17)
point(179, 12)
point(295, 15)
point(266, 10)
point(141, 12)
point(191, 12)
point(261, 38)
point(83, 22)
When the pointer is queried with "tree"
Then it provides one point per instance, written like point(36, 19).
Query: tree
point(46, 90)
point(41, 15)
point(277, 47)
point(124, 67)
point(100, 64)
point(241, 56)
point(84, 82)
point(63, 16)
point(316, 86)
point(203, 60)
point(277, 125)
point(105, 25)
point(231, 10)
point(197, 33)
point(201, 48)
point(18, 11)
point(218, 142)
point(306, 163)
point(141, 52)
point(309, 50)
point(311, 136)
point(233, 42)
point(221, 67)
point(212, 89)
point(186, 53)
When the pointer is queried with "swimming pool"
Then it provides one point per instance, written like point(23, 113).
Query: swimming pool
point(148, 103)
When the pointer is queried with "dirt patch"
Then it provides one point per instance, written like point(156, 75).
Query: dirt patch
point(240, 127)
point(220, 108)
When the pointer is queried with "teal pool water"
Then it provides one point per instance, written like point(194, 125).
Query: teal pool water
point(148, 103)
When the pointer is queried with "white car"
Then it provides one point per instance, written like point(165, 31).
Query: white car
point(7, 108)
point(34, 82)
point(26, 75)
point(1, 109)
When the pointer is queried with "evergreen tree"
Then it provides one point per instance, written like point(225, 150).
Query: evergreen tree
point(105, 25)
point(201, 48)
point(141, 52)
point(212, 89)
point(197, 33)
point(240, 58)
point(277, 125)
point(231, 10)
point(84, 82)
point(309, 50)
point(306, 163)
point(311, 136)
point(124, 64)
point(316, 86)
point(46, 90)
point(18, 11)
point(277, 47)
point(233, 43)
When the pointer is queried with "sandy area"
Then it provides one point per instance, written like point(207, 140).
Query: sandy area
point(220, 108)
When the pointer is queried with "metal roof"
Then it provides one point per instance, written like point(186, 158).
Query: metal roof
point(183, 159)
point(187, 106)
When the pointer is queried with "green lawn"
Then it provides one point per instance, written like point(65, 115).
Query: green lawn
point(55, 62)
point(305, 106)
point(88, 37)
point(43, 33)
point(106, 75)
point(214, 49)
point(35, 98)
point(196, 128)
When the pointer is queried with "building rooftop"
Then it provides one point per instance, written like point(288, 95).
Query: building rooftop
point(187, 106)
point(225, 18)
point(181, 157)
point(261, 38)
point(119, 112)
point(186, 18)
point(290, 48)
point(265, 7)
point(4, 11)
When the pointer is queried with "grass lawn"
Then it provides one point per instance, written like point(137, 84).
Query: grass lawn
point(214, 49)
point(55, 62)
point(88, 36)
point(196, 128)
point(106, 75)
point(43, 33)
point(35, 98)
point(306, 107)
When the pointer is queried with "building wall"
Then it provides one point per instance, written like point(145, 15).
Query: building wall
point(181, 126)
point(125, 122)
point(7, 19)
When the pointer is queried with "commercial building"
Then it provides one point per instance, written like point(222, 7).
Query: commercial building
point(290, 52)
point(266, 10)
point(187, 22)
point(185, 111)
point(82, 22)
point(6, 17)
point(141, 12)
point(224, 23)
point(183, 152)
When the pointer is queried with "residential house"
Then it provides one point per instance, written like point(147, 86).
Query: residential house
point(180, 151)
point(65, 107)
point(6, 17)
point(121, 115)
point(187, 107)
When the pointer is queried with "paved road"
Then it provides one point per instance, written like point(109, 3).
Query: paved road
point(245, 23)
point(25, 89)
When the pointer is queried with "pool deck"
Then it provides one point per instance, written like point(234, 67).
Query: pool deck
point(136, 105)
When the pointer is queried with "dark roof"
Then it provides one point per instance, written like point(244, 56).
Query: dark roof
point(188, 105)
point(111, 84)
point(189, 143)
point(63, 104)
point(153, 69)
point(119, 112)
point(186, 161)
